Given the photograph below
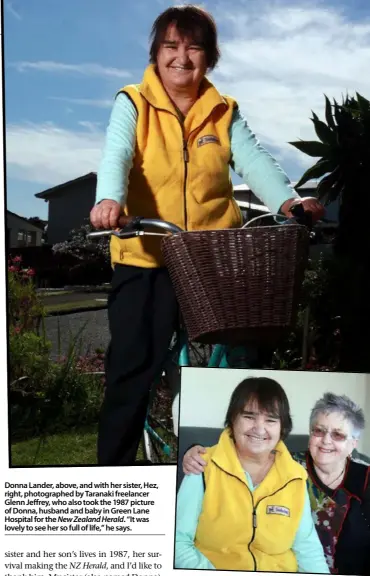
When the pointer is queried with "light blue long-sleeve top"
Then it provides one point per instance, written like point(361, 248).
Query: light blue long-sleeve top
point(249, 159)
point(307, 546)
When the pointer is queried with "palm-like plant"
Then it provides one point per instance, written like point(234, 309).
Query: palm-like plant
point(343, 169)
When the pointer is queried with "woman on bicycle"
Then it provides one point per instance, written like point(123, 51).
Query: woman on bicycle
point(169, 146)
point(251, 509)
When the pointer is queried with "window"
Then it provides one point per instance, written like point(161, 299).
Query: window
point(22, 238)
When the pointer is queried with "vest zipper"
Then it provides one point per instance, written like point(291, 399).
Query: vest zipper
point(186, 160)
point(254, 512)
point(185, 155)
point(254, 526)
point(254, 520)
point(254, 515)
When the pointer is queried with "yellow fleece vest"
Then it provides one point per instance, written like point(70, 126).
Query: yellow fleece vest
point(243, 530)
point(180, 173)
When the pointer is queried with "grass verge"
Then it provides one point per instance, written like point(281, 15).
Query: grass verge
point(67, 306)
point(55, 293)
point(77, 447)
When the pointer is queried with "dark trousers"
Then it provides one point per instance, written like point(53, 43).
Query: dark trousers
point(142, 314)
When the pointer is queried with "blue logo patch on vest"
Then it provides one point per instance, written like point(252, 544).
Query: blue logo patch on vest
point(207, 140)
point(278, 510)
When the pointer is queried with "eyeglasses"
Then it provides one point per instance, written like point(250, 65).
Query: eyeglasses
point(334, 434)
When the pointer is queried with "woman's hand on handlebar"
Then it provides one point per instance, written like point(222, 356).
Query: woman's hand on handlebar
point(108, 214)
point(193, 462)
point(309, 204)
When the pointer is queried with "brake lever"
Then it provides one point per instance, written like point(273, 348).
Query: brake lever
point(129, 230)
point(124, 233)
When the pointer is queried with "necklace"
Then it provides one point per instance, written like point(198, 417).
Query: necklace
point(335, 480)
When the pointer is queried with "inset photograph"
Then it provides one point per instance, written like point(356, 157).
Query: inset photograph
point(273, 472)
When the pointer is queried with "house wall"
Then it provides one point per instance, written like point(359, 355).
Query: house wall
point(68, 209)
point(16, 226)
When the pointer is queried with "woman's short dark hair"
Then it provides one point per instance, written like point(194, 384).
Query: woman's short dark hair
point(191, 21)
point(270, 397)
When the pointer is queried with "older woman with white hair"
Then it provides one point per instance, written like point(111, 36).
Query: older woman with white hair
point(338, 483)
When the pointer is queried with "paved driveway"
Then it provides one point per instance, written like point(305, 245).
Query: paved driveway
point(95, 332)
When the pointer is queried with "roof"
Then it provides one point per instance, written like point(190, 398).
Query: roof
point(246, 198)
point(45, 195)
point(311, 185)
point(24, 220)
point(252, 206)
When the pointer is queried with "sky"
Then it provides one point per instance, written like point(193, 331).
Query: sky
point(64, 62)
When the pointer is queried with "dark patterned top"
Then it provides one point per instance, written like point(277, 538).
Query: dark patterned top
point(342, 516)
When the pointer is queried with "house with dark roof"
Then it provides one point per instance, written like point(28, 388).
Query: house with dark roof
point(70, 203)
point(21, 232)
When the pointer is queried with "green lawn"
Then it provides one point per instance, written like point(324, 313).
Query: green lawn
point(55, 293)
point(65, 306)
point(77, 447)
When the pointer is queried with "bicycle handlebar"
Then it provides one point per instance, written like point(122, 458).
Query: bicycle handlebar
point(300, 216)
point(138, 226)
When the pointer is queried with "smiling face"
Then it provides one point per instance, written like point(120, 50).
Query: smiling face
point(181, 63)
point(256, 432)
point(331, 449)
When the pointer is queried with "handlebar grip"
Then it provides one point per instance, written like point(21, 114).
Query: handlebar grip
point(301, 216)
point(129, 223)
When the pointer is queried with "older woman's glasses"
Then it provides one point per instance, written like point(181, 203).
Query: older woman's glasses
point(335, 435)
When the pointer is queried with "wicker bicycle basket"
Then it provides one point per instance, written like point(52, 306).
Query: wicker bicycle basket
point(238, 286)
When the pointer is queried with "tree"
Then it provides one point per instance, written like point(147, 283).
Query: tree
point(93, 257)
point(36, 221)
point(343, 168)
point(82, 247)
point(42, 224)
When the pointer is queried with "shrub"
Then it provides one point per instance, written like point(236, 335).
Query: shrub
point(25, 308)
point(45, 396)
point(28, 356)
point(52, 396)
point(91, 257)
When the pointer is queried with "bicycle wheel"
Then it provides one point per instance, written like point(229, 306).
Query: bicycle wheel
point(159, 446)
point(159, 438)
point(200, 354)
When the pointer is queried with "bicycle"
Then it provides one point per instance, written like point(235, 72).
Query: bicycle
point(182, 352)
